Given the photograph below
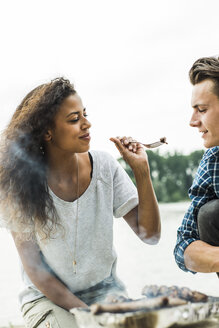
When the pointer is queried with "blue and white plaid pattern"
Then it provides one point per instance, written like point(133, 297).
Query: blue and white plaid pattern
point(205, 187)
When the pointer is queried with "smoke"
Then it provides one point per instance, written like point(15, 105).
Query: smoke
point(26, 151)
point(109, 290)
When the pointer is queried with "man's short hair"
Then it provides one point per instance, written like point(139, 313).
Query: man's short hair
point(206, 68)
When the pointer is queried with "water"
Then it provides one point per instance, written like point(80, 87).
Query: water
point(138, 264)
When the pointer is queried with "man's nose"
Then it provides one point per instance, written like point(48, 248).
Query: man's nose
point(194, 121)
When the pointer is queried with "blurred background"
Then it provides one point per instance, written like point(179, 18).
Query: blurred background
point(129, 61)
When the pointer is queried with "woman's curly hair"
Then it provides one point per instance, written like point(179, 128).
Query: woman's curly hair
point(25, 202)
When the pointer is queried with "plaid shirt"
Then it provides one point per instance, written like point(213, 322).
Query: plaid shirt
point(205, 187)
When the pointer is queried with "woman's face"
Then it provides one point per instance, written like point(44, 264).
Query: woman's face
point(71, 127)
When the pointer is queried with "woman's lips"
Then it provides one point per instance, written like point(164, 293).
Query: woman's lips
point(85, 137)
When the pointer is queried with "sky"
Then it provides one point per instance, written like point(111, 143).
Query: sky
point(129, 61)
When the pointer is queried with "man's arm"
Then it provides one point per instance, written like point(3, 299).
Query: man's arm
point(49, 285)
point(192, 254)
point(202, 257)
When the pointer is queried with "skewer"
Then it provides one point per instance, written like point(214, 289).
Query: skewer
point(142, 304)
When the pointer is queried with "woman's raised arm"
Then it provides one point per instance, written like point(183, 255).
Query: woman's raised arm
point(145, 218)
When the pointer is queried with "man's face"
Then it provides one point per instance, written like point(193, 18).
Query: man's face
point(205, 117)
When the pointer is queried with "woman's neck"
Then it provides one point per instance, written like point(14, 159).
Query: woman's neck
point(62, 176)
point(62, 166)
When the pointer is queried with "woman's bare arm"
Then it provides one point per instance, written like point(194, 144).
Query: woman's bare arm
point(49, 285)
point(145, 218)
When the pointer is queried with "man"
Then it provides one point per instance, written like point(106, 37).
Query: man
point(198, 237)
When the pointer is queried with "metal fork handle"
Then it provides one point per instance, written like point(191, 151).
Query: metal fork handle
point(156, 144)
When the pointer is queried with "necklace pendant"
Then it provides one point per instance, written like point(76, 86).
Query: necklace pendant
point(74, 266)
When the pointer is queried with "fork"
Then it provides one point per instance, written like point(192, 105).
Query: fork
point(156, 144)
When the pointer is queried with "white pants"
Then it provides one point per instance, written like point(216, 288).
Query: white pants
point(43, 313)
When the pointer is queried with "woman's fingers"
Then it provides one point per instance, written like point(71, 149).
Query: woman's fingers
point(126, 142)
point(131, 151)
point(118, 144)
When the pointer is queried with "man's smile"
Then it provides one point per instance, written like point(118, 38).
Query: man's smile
point(203, 133)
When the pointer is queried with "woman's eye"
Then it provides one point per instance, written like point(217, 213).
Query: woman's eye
point(73, 121)
point(77, 119)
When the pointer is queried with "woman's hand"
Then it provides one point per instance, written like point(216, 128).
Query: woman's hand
point(132, 152)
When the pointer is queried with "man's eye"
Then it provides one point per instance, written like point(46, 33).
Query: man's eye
point(85, 115)
point(202, 110)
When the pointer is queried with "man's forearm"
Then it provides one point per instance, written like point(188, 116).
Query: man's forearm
point(202, 257)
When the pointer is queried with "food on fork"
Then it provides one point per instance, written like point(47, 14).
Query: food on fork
point(156, 144)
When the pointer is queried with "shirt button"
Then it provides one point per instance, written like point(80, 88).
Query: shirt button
point(47, 324)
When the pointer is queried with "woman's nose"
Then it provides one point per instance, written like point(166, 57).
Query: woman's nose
point(86, 124)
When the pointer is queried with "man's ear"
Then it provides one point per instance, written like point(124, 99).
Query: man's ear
point(48, 136)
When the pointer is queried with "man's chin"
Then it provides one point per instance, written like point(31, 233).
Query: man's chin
point(208, 144)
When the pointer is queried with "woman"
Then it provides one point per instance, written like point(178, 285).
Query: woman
point(58, 199)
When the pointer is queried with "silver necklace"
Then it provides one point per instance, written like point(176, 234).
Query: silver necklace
point(74, 262)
